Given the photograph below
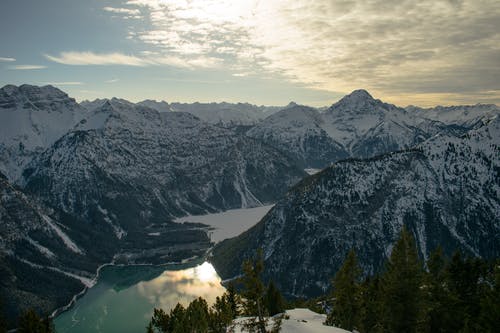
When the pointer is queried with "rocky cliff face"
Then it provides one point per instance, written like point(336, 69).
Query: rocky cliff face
point(446, 191)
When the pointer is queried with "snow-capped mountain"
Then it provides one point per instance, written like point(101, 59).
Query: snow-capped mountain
point(225, 114)
point(462, 115)
point(356, 126)
point(128, 165)
point(367, 127)
point(161, 106)
point(446, 191)
point(31, 119)
point(298, 131)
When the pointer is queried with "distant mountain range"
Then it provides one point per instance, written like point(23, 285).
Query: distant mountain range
point(89, 183)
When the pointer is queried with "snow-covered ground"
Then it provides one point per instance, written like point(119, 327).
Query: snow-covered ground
point(300, 321)
point(230, 223)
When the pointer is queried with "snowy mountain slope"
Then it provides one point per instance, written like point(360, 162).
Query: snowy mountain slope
point(462, 115)
point(297, 130)
point(31, 119)
point(129, 166)
point(367, 127)
point(446, 191)
point(42, 265)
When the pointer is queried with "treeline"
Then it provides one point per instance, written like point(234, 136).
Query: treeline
point(457, 294)
point(253, 300)
point(461, 294)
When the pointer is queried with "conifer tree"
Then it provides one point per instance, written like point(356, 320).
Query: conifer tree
point(253, 292)
point(177, 322)
point(463, 277)
point(233, 299)
point(346, 295)
point(369, 321)
point(160, 321)
point(221, 314)
point(196, 317)
point(436, 296)
point(401, 284)
point(273, 299)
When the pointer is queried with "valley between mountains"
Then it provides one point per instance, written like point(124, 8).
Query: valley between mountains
point(84, 184)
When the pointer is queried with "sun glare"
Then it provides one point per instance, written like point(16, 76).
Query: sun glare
point(206, 272)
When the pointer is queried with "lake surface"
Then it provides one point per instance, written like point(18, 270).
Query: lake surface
point(230, 223)
point(124, 297)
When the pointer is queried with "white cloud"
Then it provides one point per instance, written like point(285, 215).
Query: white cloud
point(91, 58)
point(27, 67)
point(392, 47)
point(112, 81)
point(7, 59)
point(125, 11)
point(66, 83)
point(148, 59)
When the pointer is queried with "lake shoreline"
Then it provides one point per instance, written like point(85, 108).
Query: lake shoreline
point(188, 262)
point(209, 228)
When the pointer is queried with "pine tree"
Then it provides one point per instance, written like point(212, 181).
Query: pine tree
point(463, 276)
point(161, 321)
point(177, 320)
point(221, 314)
point(253, 292)
point(233, 299)
point(401, 284)
point(436, 296)
point(369, 321)
point(346, 295)
point(196, 318)
point(273, 300)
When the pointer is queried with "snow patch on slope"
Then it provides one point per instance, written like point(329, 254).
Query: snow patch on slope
point(67, 241)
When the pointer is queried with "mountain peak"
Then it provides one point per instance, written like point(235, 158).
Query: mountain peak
point(358, 96)
point(46, 97)
point(361, 102)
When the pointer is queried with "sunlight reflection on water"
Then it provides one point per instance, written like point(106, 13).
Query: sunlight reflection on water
point(182, 286)
point(124, 298)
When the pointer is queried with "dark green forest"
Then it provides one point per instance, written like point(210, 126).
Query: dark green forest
point(457, 294)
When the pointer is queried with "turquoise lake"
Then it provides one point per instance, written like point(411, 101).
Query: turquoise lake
point(124, 297)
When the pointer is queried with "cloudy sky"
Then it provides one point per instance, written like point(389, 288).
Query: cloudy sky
point(259, 51)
